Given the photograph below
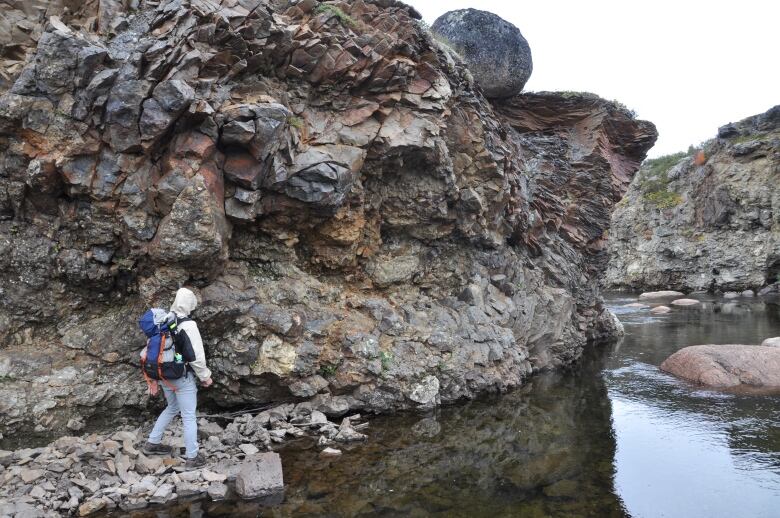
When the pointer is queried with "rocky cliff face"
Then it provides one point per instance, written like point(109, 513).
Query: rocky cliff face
point(363, 228)
point(705, 221)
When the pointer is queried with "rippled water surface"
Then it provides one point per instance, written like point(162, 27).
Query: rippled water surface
point(616, 437)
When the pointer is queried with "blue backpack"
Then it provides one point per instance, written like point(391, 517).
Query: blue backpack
point(168, 349)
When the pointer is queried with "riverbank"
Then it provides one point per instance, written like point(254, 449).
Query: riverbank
point(612, 437)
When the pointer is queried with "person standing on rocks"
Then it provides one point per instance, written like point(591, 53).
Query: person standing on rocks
point(182, 394)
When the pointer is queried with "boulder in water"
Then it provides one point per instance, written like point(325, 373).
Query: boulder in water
point(261, 477)
point(495, 51)
point(771, 342)
point(660, 310)
point(727, 366)
point(660, 295)
point(685, 302)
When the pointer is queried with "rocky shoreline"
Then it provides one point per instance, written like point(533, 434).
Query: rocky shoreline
point(100, 472)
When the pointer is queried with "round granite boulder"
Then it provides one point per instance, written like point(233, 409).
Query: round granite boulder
point(495, 51)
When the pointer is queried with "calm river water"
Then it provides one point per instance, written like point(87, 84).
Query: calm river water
point(615, 437)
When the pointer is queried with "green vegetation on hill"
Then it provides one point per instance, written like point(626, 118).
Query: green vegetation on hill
point(654, 180)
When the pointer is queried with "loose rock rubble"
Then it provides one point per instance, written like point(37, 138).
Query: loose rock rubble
point(84, 475)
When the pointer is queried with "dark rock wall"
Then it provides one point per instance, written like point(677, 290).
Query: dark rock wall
point(706, 221)
point(361, 225)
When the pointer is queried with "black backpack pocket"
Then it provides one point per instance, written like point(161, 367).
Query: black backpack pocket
point(184, 346)
point(173, 370)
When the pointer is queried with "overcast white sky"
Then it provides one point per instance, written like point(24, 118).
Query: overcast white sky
point(689, 66)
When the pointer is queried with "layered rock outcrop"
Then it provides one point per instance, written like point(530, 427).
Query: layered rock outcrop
point(706, 220)
point(364, 229)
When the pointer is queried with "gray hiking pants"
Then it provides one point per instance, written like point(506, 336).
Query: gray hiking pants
point(183, 401)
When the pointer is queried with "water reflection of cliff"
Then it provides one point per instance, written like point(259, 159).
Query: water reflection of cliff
point(547, 450)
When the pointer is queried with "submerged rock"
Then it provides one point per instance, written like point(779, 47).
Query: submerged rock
point(260, 478)
point(496, 52)
point(727, 366)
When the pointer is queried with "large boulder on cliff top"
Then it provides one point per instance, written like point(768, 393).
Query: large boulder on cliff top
point(496, 52)
point(727, 366)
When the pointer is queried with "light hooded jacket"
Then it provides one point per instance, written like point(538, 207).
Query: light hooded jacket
point(184, 304)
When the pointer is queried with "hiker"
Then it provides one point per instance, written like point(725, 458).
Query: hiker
point(182, 393)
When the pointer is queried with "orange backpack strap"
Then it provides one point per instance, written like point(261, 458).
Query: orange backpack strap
point(159, 365)
point(150, 383)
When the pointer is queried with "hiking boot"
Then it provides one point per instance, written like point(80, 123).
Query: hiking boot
point(196, 462)
point(157, 449)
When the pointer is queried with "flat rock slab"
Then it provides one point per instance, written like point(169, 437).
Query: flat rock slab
point(771, 342)
point(685, 302)
point(727, 366)
point(260, 477)
point(660, 295)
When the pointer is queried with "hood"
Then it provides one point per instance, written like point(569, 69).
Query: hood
point(185, 302)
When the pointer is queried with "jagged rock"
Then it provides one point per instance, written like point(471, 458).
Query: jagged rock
point(130, 168)
point(92, 506)
point(164, 494)
point(347, 433)
point(144, 464)
point(330, 452)
point(217, 491)
point(260, 478)
point(248, 449)
point(208, 428)
point(331, 406)
point(210, 476)
point(727, 366)
point(426, 393)
point(496, 52)
point(185, 489)
point(195, 233)
point(706, 220)
point(31, 475)
point(308, 387)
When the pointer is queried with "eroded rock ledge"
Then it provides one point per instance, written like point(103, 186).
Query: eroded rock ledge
point(362, 226)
